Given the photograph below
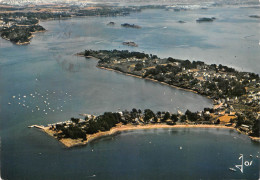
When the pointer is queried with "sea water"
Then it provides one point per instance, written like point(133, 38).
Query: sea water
point(49, 70)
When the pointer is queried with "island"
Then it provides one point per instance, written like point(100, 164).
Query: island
point(111, 23)
point(205, 19)
point(235, 94)
point(130, 43)
point(126, 25)
point(254, 16)
point(20, 34)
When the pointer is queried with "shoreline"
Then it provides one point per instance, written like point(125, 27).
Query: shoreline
point(69, 143)
point(149, 79)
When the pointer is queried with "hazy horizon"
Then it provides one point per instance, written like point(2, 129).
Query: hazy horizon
point(136, 2)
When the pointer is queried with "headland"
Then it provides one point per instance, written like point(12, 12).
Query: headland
point(236, 98)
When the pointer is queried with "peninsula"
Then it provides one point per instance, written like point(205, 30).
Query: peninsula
point(236, 97)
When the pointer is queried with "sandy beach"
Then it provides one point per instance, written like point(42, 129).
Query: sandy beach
point(120, 128)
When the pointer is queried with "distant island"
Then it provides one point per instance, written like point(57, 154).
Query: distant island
point(254, 16)
point(236, 98)
point(130, 43)
point(20, 34)
point(111, 23)
point(205, 19)
point(126, 25)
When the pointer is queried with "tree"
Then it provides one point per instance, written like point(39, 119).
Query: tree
point(191, 116)
point(240, 120)
point(255, 128)
point(159, 114)
point(74, 132)
point(92, 127)
point(155, 119)
point(174, 118)
point(183, 118)
point(148, 114)
point(134, 110)
point(75, 120)
point(166, 116)
point(133, 113)
point(238, 90)
point(138, 66)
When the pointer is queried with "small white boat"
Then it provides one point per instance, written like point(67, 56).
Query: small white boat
point(232, 169)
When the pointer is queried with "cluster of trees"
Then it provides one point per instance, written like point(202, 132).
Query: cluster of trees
point(226, 69)
point(106, 12)
point(249, 119)
point(28, 22)
point(106, 55)
point(79, 130)
point(103, 122)
point(139, 66)
point(138, 55)
point(159, 69)
point(36, 15)
point(192, 116)
point(20, 33)
point(73, 132)
point(187, 64)
point(256, 128)
point(230, 88)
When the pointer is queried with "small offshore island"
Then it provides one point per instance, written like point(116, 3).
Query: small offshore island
point(126, 25)
point(236, 97)
point(130, 43)
point(205, 19)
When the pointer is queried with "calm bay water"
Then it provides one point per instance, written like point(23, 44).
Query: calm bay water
point(47, 68)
